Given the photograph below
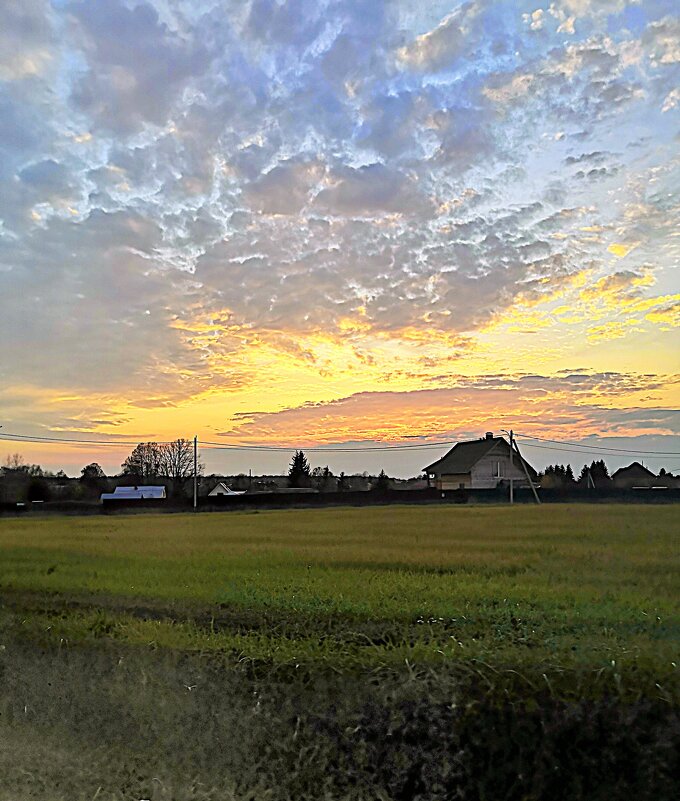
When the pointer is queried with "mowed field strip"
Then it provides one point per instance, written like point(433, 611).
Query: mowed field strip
point(557, 592)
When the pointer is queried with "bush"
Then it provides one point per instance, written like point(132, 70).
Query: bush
point(38, 490)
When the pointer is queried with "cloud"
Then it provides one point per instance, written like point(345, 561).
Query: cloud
point(535, 20)
point(47, 180)
point(286, 188)
point(441, 46)
point(372, 190)
point(88, 324)
point(567, 26)
point(573, 403)
point(582, 8)
point(671, 100)
point(621, 249)
point(137, 66)
point(597, 157)
point(27, 21)
point(195, 195)
point(662, 39)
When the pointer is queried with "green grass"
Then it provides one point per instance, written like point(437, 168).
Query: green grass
point(555, 593)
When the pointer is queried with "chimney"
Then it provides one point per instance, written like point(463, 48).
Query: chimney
point(489, 434)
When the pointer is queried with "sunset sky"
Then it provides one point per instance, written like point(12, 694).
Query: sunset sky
point(314, 222)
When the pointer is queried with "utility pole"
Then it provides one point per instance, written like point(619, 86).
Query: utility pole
point(512, 480)
point(526, 473)
point(195, 472)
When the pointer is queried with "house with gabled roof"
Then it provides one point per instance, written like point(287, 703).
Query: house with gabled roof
point(480, 464)
point(635, 475)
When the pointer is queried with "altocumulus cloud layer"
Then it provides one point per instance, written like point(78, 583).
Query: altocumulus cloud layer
point(186, 184)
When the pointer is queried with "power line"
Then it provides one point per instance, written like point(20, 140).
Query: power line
point(70, 440)
point(655, 454)
point(9, 437)
point(554, 445)
point(600, 447)
point(330, 448)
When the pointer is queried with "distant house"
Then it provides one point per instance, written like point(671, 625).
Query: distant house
point(223, 489)
point(635, 475)
point(135, 494)
point(479, 464)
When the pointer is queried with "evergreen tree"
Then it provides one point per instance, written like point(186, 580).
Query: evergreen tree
point(383, 482)
point(599, 475)
point(582, 479)
point(299, 473)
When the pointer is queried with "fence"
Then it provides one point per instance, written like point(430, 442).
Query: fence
point(274, 500)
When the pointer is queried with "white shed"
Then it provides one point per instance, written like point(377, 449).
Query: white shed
point(223, 489)
point(135, 493)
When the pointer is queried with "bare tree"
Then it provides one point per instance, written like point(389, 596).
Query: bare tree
point(177, 462)
point(15, 461)
point(323, 479)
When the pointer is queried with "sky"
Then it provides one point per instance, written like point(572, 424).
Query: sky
point(345, 222)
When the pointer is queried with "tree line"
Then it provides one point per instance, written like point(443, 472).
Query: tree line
point(595, 474)
point(173, 464)
point(301, 475)
point(148, 463)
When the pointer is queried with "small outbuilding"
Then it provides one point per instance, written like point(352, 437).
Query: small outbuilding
point(223, 489)
point(480, 464)
point(137, 493)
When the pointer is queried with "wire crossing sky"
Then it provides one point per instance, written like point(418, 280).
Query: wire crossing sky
point(297, 223)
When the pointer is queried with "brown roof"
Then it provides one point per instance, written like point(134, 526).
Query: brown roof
point(465, 455)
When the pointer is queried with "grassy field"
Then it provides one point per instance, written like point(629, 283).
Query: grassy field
point(337, 621)
point(569, 586)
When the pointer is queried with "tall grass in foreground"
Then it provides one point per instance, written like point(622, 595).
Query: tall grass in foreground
point(119, 724)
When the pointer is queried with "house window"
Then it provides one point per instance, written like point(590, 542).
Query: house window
point(499, 471)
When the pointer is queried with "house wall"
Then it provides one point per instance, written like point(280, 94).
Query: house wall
point(449, 481)
point(495, 467)
point(628, 480)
